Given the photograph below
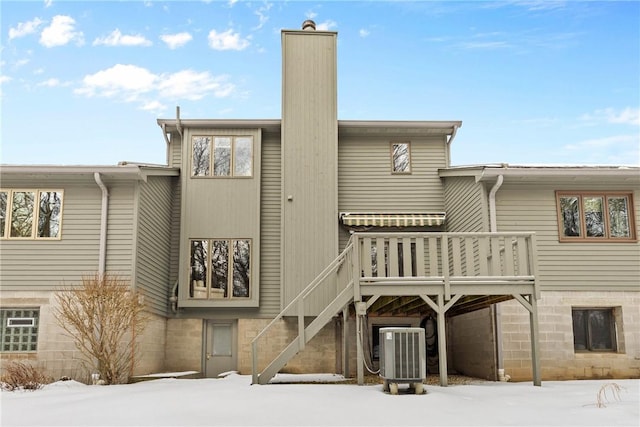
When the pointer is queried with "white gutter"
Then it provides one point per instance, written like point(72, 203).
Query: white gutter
point(102, 257)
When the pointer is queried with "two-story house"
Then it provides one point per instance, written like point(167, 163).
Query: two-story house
point(286, 244)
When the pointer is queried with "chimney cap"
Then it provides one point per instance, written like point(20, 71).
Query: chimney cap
point(309, 25)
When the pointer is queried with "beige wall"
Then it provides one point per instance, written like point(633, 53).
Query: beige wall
point(184, 345)
point(57, 354)
point(557, 357)
point(471, 344)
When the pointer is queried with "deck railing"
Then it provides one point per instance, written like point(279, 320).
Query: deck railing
point(445, 258)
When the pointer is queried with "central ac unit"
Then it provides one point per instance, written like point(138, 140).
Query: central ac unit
point(402, 358)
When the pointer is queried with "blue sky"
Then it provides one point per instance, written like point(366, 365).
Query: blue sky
point(534, 82)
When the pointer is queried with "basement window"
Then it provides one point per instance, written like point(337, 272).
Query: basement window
point(19, 331)
point(594, 329)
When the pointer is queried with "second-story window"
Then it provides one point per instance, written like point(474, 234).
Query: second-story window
point(28, 214)
point(222, 156)
point(587, 216)
point(400, 157)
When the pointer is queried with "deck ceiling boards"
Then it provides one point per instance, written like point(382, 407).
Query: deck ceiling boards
point(416, 306)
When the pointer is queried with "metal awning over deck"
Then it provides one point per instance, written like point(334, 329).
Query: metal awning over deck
point(400, 219)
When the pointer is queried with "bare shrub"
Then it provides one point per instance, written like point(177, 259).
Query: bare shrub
point(104, 316)
point(608, 388)
point(23, 376)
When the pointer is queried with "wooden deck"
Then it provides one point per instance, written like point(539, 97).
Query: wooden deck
point(413, 273)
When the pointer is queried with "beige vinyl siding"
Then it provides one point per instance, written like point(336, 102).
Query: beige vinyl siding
point(568, 266)
point(120, 230)
point(48, 264)
point(174, 152)
point(309, 160)
point(365, 181)
point(154, 242)
point(220, 207)
point(176, 206)
point(270, 212)
point(465, 205)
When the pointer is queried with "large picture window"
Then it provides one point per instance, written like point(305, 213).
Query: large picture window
point(586, 216)
point(222, 156)
point(593, 329)
point(19, 329)
point(220, 268)
point(28, 214)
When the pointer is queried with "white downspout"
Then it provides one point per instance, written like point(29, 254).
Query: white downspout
point(102, 257)
point(493, 227)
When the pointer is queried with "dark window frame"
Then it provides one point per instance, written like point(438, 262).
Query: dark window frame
point(581, 222)
point(584, 340)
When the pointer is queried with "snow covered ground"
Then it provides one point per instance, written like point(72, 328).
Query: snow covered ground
point(232, 401)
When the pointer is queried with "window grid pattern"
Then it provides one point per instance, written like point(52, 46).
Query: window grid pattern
point(30, 214)
point(19, 338)
point(588, 216)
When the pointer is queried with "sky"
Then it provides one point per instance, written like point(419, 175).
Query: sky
point(533, 81)
point(232, 401)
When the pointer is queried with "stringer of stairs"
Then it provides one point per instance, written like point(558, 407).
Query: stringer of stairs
point(305, 334)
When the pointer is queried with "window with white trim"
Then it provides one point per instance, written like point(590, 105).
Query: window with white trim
point(595, 216)
point(220, 269)
point(30, 214)
point(19, 331)
point(222, 156)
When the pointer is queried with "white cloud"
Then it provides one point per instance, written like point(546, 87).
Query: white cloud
point(127, 81)
point(227, 40)
point(188, 84)
point(364, 33)
point(61, 32)
point(25, 28)
point(261, 12)
point(326, 25)
point(48, 3)
point(4, 79)
point(130, 83)
point(155, 107)
point(116, 38)
point(617, 149)
point(311, 15)
point(21, 62)
point(628, 116)
point(53, 82)
point(174, 41)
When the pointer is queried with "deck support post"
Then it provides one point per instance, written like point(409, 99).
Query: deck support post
point(345, 338)
point(442, 342)
point(535, 351)
point(361, 311)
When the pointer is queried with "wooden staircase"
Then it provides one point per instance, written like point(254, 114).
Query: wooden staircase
point(336, 278)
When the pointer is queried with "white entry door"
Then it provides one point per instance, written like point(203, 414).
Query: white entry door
point(221, 347)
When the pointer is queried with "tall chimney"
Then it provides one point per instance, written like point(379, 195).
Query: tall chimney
point(309, 156)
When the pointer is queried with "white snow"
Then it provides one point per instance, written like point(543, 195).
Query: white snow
point(233, 401)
